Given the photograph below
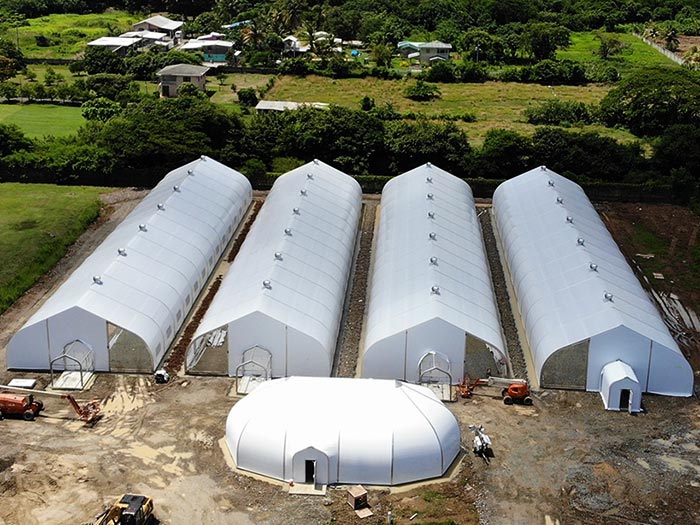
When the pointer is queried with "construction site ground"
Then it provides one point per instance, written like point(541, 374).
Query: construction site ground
point(564, 460)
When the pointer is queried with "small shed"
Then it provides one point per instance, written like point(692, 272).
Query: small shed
point(357, 497)
point(172, 77)
point(620, 388)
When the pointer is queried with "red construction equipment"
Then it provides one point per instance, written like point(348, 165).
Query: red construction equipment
point(16, 404)
point(515, 390)
point(89, 411)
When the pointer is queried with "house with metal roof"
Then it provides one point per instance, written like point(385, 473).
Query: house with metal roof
point(122, 307)
point(306, 430)
point(170, 78)
point(117, 44)
point(159, 23)
point(589, 322)
point(425, 52)
point(213, 50)
point(431, 312)
point(278, 310)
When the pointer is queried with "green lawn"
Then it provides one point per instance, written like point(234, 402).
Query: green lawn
point(495, 104)
point(584, 46)
point(67, 33)
point(38, 222)
point(223, 92)
point(37, 120)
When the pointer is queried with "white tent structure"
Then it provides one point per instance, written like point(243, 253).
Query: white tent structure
point(125, 303)
point(581, 304)
point(278, 310)
point(432, 314)
point(307, 430)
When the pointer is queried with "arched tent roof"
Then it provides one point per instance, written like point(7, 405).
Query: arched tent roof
point(571, 280)
point(429, 235)
point(153, 265)
point(407, 435)
point(301, 247)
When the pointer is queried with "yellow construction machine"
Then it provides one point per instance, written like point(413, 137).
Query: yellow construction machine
point(130, 509)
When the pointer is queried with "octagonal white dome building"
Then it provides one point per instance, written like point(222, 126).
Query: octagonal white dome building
point(341, 430)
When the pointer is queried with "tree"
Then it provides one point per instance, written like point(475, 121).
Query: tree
point(11, 59)
point(422, 91)
point(381, 54)
point(247, 97)
point(76, 67)
point(671, 41)
point(609, 46)
point(51, 77)
point(504, 154)
point(12, 139)
point(101, 109)
point(649, 101)
point(102, 60)
point(542, 39)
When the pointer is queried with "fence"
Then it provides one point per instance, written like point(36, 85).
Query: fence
point(660, 49)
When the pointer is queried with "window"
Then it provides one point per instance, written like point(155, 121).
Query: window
point(186, 79)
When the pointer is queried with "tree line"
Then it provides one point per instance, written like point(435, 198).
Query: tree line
point(134, 143)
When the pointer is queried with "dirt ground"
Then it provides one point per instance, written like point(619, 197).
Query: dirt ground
point(564, 460)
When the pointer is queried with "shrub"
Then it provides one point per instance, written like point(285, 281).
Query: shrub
point(422, 91)
point(247, 97)
point(558, 112)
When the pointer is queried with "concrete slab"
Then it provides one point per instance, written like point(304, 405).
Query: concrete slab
point(71, 380)
point(247, 384)
point(307, 489)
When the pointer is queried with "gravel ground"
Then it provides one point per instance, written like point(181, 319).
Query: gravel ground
point(515, 351)
point(349, 340)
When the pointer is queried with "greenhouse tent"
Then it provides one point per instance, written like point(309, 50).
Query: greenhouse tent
point(278, 310)
point(580, 302)
point(432, 314)
point(121, 309)
point(306, 430)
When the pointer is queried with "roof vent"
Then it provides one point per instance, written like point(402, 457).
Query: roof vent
point(435, 290)
point(593, 267)
point(161, 206)
point(310, 176)
point(580, 241)
point(143, 228)
point(97, 279)
point(433, 260)
point(429, 179)
point(428, 165)
point(278, 256)
point(560, 200)
point(432, 236)
point(288, 231)
point(121, 251)
point(267, 284)
point(608, 296)
point(190, 172)
point(176, 188)
point(430, 196)
point(303, 193)
point(295, 211)
point(315, 161)
point(202, 157)
point(569, 219)
point(544, 168)
point(431, 214)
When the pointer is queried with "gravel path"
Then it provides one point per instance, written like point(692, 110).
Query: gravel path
point(515, 352)
point(345, 363)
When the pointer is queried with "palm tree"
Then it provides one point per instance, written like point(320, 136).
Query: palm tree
point(671, 41)
point(253, 35)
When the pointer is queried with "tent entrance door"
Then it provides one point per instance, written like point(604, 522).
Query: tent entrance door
point(625, 396)
point(310, 471)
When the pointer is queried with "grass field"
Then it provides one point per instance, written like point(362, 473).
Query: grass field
point(37, 224)
point(495, 104)
point(67, 33)
point(638, 54)
point(38, 120)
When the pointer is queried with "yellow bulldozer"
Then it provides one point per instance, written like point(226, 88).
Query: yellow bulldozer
point(130, 509)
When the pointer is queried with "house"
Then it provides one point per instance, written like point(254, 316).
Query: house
point(425, 52)
point(150, 38)
point(213, 50)
point(172, 77)
point(116, 44)
point(292, 45)
point(160, 24)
